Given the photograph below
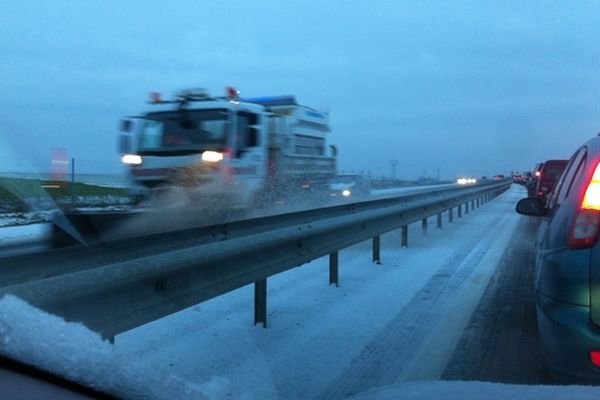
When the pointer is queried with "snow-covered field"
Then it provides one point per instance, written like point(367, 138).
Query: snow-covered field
point(41, 210)
point(391, 324)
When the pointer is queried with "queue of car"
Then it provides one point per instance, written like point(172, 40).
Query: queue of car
point(567, 273)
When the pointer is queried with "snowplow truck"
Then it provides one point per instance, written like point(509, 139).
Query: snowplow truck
point(198, 159)
point(226, 151)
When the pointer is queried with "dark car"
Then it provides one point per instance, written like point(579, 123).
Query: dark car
point(533, 179)
point(547, 177)
point(567, 275)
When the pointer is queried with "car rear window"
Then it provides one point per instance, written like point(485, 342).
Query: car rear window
point(572, 173)
point(552, 172)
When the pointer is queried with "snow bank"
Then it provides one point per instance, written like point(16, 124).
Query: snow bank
point(45, 341)
point(42, 210)
point(21, 233)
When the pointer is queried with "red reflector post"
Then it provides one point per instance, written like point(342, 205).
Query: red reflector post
point(155, 97)
point(595, 357)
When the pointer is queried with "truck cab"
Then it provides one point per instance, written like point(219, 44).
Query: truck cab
point(226, 151)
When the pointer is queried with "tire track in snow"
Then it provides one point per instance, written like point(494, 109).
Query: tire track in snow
point(391, 352)
point(500, 343)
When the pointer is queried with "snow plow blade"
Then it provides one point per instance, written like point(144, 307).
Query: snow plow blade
point(78, 228)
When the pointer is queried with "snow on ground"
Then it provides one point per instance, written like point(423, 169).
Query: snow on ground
point(74, 352)
point(320, 339)
point(23, 233)
point(23, 218)
point(388, 324)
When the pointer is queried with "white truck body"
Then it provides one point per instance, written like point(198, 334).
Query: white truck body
point(231, 153)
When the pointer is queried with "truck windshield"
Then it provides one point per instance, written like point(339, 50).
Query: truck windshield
point(184, 130)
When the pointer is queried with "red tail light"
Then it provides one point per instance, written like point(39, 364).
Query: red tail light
point(595, 357)
point(584, 231)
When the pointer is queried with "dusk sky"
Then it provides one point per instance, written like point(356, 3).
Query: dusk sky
point(463, 87)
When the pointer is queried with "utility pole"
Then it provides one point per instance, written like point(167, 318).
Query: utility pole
point(394, 164)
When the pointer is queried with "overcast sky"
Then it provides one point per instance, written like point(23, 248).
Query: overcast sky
point(457, 86)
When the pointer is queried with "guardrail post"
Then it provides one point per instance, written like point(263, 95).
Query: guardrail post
point(459, 210)
point(376, 250)
point(439, 221)
point(467, 207)
point(404, 235)
point(260, 302)
point(451, 214)
point(424, 225)
point(473, 204)
point(109, 339)
point(333, 269)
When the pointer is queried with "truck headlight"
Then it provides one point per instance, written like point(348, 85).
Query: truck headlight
point(212, 156)
point(131, 159)
point(346, 193)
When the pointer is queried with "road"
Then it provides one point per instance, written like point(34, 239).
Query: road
point(500, 343)
point(456, 304)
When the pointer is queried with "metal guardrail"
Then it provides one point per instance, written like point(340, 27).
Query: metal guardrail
point(116, 286)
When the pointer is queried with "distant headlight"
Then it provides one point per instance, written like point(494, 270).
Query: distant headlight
point(212, 156)
point(131, 159)
point(466, 181)
point(346, 193)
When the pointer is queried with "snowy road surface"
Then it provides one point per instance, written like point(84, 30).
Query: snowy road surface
point(396, 322)
point(501, 344)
